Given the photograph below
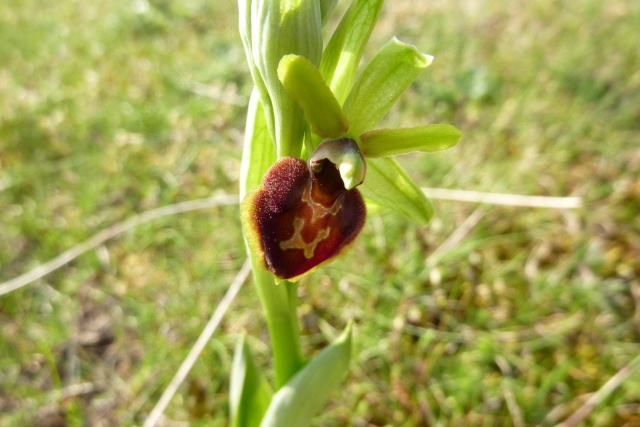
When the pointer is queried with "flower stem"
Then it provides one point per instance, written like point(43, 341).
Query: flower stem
point(280, 304)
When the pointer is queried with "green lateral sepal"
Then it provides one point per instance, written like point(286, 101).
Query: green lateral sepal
point(384, 79)
point(389, 185)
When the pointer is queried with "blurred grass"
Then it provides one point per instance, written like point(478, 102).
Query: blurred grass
point(111, 108)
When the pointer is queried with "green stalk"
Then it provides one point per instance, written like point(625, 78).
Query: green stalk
point(279, 303)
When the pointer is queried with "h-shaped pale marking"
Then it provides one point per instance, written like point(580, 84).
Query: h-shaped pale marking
point(318, 210)
point(297, 242)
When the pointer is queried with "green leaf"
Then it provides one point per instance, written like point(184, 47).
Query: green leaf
point(343, 52)
point(391, 142)
point(310, 389)
point(302, 80)
point(258, 153)
point(249, 392)
point(389, 185)
point(386, 77)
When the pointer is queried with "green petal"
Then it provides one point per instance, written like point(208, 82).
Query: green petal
point(343, 52)
point(302, 80)
point(258, 153)
point(386, 77)
point(392, 142)
point(389, 185)
point(249, 392)
point(310, 389)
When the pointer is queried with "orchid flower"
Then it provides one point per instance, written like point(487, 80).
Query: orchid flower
point(305, 214)
point(312, 161)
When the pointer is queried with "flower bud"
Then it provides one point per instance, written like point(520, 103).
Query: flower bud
point(275, 29)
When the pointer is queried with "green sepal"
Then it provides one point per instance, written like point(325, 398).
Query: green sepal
point(374, 208)
point(343, 52)
point(392, 142)
point(309, 390)
point(389, 185)
point(384, 79)
point(249, 392)
point(302, 80)
point(258, 153)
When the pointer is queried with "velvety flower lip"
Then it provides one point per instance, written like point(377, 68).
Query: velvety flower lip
point(302, 215)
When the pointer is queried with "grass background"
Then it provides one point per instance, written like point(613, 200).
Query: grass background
point(111, 108)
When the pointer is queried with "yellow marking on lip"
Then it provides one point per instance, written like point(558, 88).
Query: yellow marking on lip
point(297, 242)
point(318, 210)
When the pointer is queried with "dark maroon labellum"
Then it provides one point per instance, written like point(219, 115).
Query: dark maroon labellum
point(299, 218)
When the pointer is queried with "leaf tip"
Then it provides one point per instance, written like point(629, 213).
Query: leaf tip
point(423, 60)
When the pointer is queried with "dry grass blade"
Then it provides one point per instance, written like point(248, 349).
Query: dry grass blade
point(110, 233)
point(230, 199)
point(504, 199)
point(457, 236)
point(197, 348)
point(596, 398)
point(507, 391)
